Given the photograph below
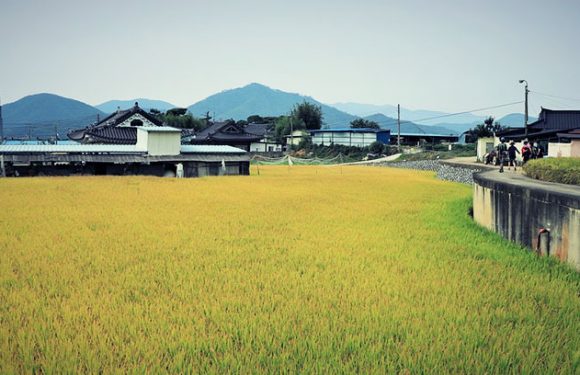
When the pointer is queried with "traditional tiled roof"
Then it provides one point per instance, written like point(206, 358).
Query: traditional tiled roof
point(555, 119)
point(549, 124)
point(226, 132)
point(112, 135)
point(108, 130)
point(572, 134)
point(118, 117)
point(257, 129)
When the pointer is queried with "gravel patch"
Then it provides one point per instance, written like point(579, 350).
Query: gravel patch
point(444, 171)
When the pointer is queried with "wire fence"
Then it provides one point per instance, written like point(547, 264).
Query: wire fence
point(292, 160)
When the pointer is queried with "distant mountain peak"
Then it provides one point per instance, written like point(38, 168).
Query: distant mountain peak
point(258, 99)
point(111, 105)
point(256, 85)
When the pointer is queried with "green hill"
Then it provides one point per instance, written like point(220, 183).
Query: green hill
point(37, 115)
point(257, 99)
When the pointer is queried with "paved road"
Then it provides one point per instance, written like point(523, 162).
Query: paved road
point(471, 162)
point(375, 161)
point(520, 179)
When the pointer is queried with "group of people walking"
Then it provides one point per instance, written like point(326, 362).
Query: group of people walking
point(508, 154)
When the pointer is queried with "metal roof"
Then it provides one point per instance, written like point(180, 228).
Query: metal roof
point(117, 149)
point(36, 142)
point(88, 148)
point(158, 129)
point(350, 130)
point(211, 149)
point(557, 119)
point(427, 135)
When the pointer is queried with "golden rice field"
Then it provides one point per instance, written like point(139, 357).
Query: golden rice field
point(302, 269)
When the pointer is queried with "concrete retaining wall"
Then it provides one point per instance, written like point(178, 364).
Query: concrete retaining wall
point(542, 216)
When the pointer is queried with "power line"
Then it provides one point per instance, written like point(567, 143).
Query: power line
point(470, 111)
point(394, 121)
point(556, 96)
point(558, 103)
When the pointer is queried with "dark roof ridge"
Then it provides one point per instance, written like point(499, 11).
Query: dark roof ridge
point(560, 110)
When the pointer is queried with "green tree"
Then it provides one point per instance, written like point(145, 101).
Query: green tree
point(284, 125)
point(176, 112)
point(310, 114)
point(488, 128)
point(255, 119)
point(180, 118)
point(305, 143)
point(360, 123)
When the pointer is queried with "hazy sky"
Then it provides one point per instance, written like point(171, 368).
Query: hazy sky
point(442, 55)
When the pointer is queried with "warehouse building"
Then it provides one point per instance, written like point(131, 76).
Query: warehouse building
point(357, 137)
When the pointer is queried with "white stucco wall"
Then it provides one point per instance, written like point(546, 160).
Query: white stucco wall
point(159, 142)
point(484, 145)
point(137, 116)
point(575, 148)
point(265, 147)
point(559, 150)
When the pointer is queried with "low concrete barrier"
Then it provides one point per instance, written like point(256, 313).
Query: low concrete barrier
point(540, 215)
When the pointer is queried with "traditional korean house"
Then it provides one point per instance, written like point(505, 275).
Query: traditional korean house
point(228, 133)
point(550, 123)
point(119, 128)
point(555, 131)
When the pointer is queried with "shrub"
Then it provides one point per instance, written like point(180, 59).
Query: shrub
point(376, 147)
point(561, 170)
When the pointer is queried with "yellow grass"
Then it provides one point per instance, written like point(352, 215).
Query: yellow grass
point(297, 269)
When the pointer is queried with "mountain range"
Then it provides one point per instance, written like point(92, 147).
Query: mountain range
point(40, 114)
point(390, 123)
point(423, 116)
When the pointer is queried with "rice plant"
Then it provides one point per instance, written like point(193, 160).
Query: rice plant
point(298, 269)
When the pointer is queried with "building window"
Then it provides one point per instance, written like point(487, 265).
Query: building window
point(136, 122)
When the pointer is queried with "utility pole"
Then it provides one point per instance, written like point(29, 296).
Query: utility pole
point(1, 125)
point(2, 166)
point(399, 127)
point(291, 135)
point(526, 113)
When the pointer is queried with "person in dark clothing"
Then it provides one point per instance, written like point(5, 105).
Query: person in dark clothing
point(537, 152)
point(502, 154)
point(490, 156)
point(512, 150)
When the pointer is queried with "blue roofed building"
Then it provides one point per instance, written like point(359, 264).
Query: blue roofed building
point(357, 137)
